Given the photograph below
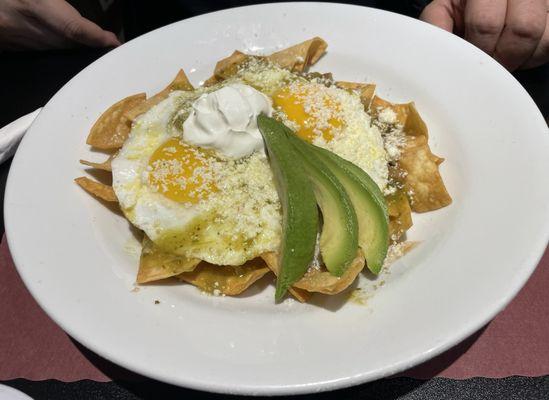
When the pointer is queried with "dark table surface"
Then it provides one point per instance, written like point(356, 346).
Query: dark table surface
point(28, 80)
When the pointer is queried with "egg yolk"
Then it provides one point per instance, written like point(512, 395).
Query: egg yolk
point(181, 172)
point(311, 108)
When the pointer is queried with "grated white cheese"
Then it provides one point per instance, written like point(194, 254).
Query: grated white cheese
point(396, 250)
point(358, 141)
point(393, 135)
point(387, 116)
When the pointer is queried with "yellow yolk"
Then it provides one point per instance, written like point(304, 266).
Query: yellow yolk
point(315, 113)
point(181, 172)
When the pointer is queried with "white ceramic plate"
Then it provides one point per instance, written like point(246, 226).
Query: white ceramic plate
point(79, 259)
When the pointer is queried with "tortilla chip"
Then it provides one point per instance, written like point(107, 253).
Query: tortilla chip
point(423, 182)
point(212, 80)
point(366, 90)
point(296, 58)
point(301, 295)
point(407, 116)
point(112, 128)
point(378, 104)
point(156, 264)
point(400, 214)
point(321, 281)
point(228, 66)
point(397, 251)
point(180, 82)
point(302, 55)
point(226, 279)
point(325, 282)
point(417, 168)
point(415, 126)
point(105, 165)
point(104, 192)
point(407, 246)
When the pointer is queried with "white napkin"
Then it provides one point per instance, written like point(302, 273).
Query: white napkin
point(11, 134)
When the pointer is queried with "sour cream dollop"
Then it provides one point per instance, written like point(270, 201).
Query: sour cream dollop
point(226, 120)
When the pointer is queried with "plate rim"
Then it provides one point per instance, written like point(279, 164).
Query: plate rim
point(526, 268)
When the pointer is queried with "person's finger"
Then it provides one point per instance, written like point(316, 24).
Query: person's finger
point(29, 34)
point(41, 37)
point(439, 13)
point(541, 54)
point(524, 27)
point(63, 18)
point(484, 20)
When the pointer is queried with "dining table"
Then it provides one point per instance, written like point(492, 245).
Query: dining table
point(506, 359)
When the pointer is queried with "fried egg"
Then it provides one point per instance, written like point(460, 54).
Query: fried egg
point(325, 115)
point(334, 119)
point(192, 200)
point(187, 199)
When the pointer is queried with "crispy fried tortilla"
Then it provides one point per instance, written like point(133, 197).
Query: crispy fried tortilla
point(98, 189)
point(155, 264)
point(180, 82)
point(225, 279)
point(112, 128)
point(317, 280)
point(420, 185)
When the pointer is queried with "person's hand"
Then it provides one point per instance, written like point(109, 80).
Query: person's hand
point(47, 24)
point(514, 32)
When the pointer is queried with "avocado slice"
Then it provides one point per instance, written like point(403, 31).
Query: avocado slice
point(369, 204)
point(339, 236)
point(299, 211)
